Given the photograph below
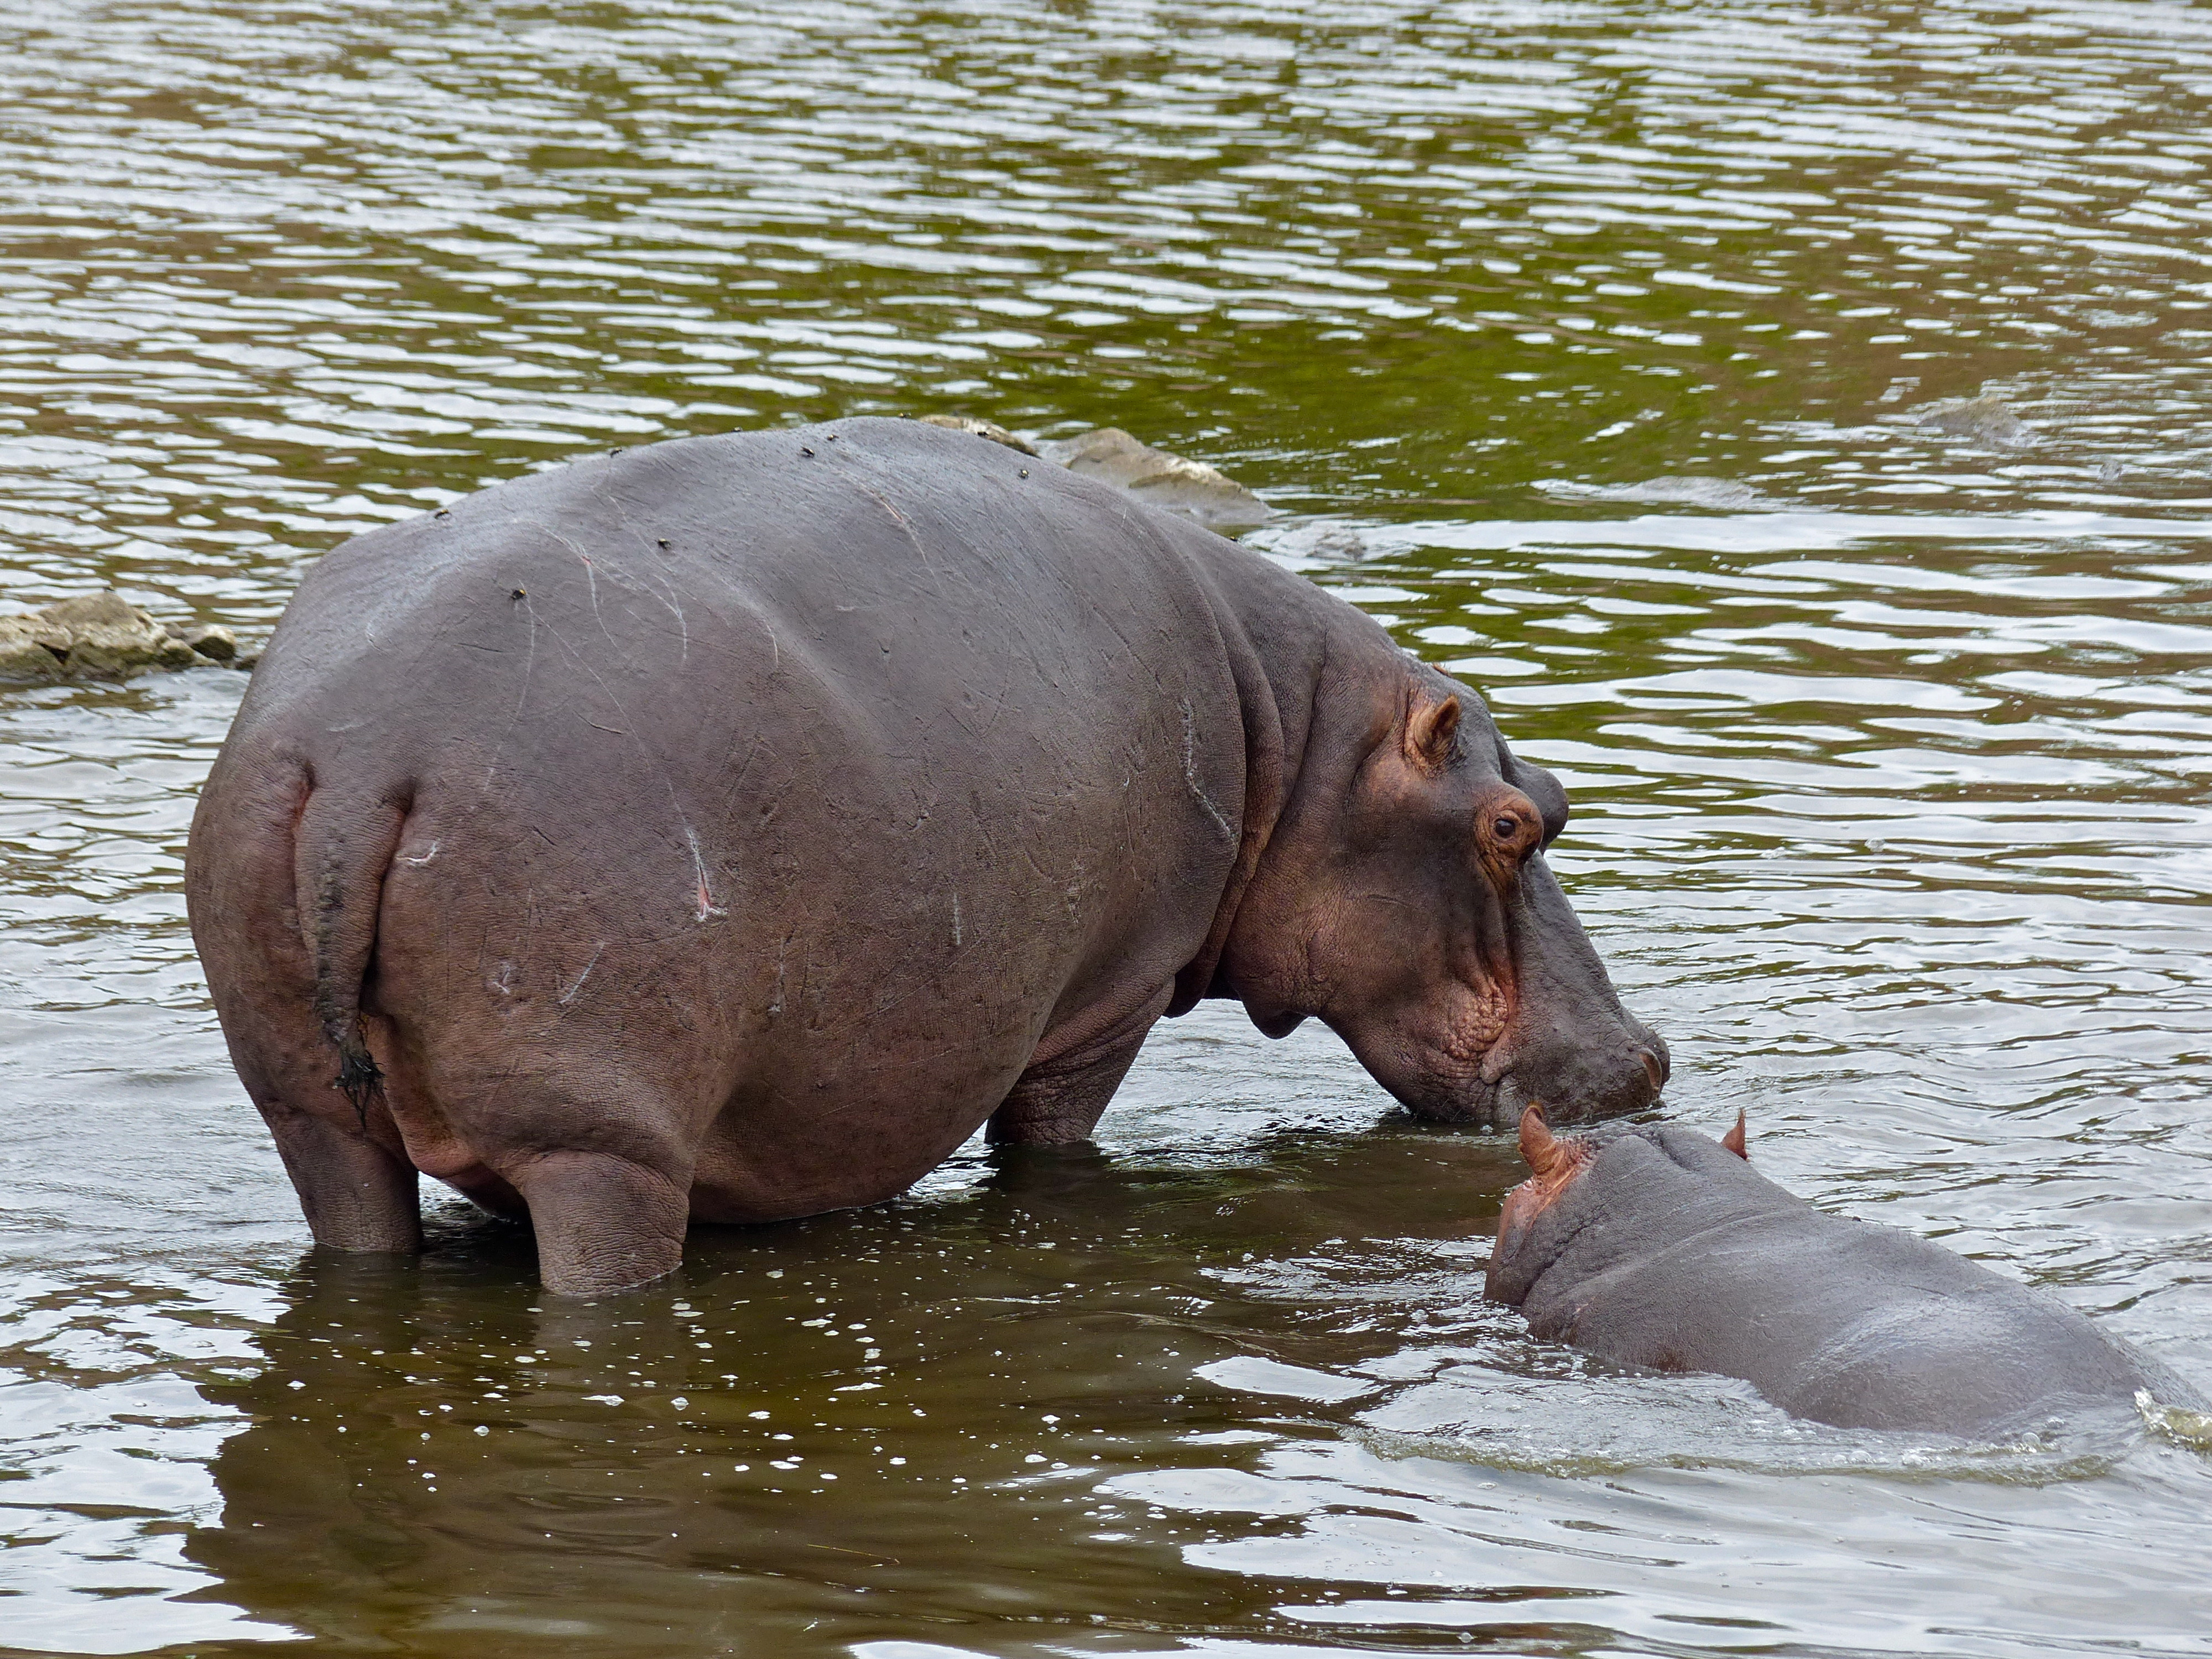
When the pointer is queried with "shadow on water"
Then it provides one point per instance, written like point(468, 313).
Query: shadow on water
point(815, 1424)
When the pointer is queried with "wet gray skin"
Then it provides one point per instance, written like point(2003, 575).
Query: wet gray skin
point(1657, 1246)
point(1586, 348)
point(820, 798)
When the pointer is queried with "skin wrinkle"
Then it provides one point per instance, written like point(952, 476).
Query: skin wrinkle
point(1486, 1021)
point(1263, 812)
point(1556, 1257)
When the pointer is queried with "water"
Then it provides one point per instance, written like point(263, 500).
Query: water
point(1593, 346)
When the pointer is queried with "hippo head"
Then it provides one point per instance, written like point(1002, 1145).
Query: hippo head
point(1406, 901)
point(1556, 1163)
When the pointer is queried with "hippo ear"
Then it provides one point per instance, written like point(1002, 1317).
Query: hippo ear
point(1432, 733)
point(1734, 1139)
point(1539, 1144)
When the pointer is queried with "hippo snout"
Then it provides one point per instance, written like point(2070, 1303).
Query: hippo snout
point(1572, 1047)
point(1576, 1075)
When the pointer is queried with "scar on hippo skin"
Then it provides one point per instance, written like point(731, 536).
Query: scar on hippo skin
point(1660, 1248)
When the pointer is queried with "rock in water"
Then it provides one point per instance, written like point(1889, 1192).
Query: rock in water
point(212, 640)
point(1153, 476)
point(1984, 421)
point(982, 429)
point(109, 638)
point(1721, 495)
point(104, 636)
point(31, 649)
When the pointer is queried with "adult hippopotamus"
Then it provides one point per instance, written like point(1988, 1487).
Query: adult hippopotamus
point(726, 829)
point(1662, 1246)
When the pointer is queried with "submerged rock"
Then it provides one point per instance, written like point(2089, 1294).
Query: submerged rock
point(1721, 495)
point(982, 429)
point(104, 636)
point(1984, 421)
point(1153, 476)
point(1324, 539)
point(1336, 541)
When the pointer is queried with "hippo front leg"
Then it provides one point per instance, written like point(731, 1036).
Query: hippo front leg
point(1058, 1101)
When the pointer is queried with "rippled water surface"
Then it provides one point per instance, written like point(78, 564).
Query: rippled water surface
point(1603, 349)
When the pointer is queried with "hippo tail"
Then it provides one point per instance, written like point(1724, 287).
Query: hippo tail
point(342, 847)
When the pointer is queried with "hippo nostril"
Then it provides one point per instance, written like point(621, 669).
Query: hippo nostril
point(1653, 1068)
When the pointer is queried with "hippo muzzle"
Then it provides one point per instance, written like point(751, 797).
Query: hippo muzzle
point(1571, 1045)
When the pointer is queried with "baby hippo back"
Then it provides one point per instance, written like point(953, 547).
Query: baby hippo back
point(1666, 1249)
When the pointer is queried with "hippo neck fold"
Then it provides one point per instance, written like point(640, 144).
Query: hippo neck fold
point(1276, 632)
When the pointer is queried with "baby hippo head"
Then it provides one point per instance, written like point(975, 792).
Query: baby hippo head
point(1556, 1163)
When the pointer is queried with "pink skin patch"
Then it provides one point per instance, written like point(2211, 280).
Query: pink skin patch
point(1476, 1023)
point(1556, 1163)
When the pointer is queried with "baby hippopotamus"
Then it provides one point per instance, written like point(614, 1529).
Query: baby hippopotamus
point(1661, 1247)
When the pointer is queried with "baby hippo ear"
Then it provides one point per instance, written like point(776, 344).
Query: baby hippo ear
point(1734, 1139)
point(1432, 733)
point(1539, 1145)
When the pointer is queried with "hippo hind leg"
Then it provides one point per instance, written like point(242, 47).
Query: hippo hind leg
point(1059, 1101)
point(604, 1224)
point(344, 1152)
point(357, 1195)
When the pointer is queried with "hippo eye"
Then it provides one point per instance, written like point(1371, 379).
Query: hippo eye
point(1506, 828)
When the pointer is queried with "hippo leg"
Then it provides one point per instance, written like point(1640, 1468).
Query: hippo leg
point(604, 1224)
point(357, 1195)
point(1058, 1102)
